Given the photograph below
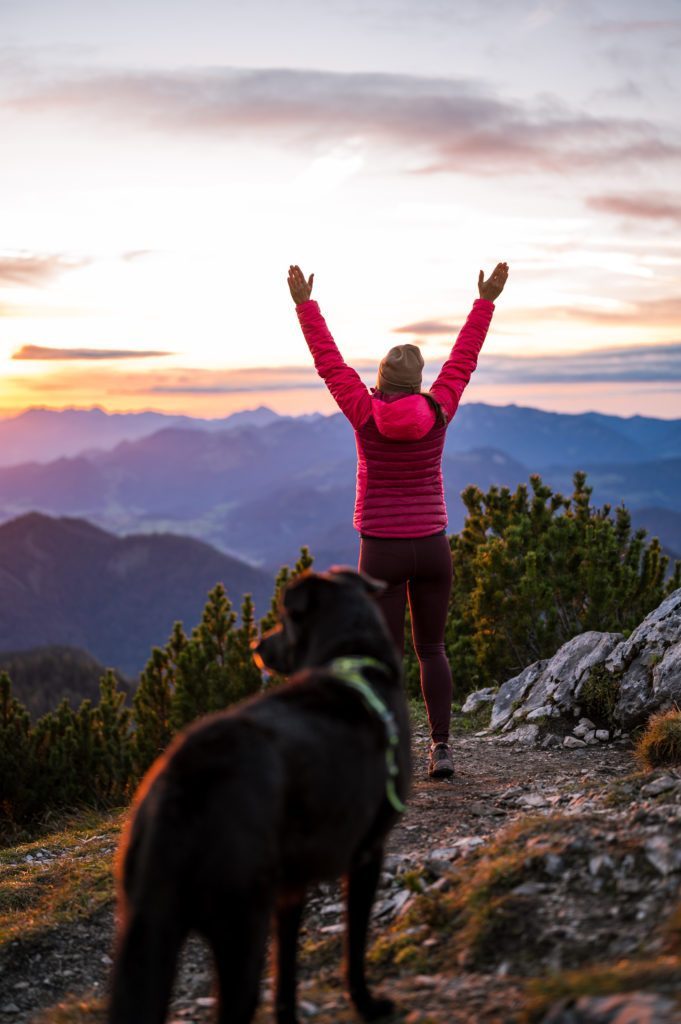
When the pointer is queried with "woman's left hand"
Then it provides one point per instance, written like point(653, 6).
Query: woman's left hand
point(300, 288)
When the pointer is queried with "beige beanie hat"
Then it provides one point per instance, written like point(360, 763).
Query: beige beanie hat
point(401, 370)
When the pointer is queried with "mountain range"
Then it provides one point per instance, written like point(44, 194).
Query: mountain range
point(258, 486)
point(67, 582)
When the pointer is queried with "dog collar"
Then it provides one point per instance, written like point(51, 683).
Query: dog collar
point(349, 671)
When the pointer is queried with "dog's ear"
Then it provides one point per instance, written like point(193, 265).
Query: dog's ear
point(368, 583)
point(295, 599)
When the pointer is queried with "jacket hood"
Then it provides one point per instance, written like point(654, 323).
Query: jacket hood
point(402, 417)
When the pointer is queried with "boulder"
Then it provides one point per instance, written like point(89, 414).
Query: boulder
point(645, 669)
point(648, 665)
point(513, 693)
point(478, 699)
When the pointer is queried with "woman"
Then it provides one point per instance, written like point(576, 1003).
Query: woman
point(400, 506)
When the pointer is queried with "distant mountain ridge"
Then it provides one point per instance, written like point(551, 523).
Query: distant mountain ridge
point(43, 435)
point(258, 485)
point(68, 582)
point(44, 676)
point(529, 435)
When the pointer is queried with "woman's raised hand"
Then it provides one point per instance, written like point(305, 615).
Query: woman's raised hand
point(300, 288)
point(493, 287)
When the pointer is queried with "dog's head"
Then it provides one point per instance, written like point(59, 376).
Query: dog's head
point(320, 613)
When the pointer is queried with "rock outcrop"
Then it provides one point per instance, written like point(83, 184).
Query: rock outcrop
point(596, 687)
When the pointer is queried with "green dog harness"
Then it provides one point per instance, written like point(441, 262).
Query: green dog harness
point(349, 671)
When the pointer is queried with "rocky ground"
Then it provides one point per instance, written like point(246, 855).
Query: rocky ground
point(538, 885)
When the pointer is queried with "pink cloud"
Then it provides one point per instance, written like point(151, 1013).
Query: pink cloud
point(637, 206)
point(45, 352)
point(36, 270)
point(448, 125)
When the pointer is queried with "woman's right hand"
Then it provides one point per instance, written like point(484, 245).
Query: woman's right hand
point(492, 288)
point(299, 288)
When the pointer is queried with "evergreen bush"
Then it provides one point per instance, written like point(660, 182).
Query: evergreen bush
point(532, 569)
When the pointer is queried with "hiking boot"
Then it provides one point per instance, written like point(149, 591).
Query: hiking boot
point(441, 764)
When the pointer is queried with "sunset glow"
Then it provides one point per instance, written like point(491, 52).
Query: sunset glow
point(161, 169)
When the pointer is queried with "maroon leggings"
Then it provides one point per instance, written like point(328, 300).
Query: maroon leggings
point(420, 568)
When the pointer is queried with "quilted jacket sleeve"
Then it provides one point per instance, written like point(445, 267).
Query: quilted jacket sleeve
point(344, 383)
point(463, 359)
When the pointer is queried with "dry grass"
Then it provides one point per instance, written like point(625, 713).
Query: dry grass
point(660, 744)
point(658, 975)
point(69, 876)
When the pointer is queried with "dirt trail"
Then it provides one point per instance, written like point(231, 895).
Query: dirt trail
point(445, 822)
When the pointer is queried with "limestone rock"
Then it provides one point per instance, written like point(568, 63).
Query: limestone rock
point(476, 700)
point(645, 668)
point(513, 693)
point(648, 664)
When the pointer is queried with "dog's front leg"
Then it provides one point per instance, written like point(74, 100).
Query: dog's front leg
point(289, 914)
point(360, 888)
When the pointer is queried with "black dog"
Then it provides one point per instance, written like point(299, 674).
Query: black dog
point(252, 805)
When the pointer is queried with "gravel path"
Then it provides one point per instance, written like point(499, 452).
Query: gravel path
point(60, 976)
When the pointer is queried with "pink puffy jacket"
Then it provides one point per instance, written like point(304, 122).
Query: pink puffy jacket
point(399, 445)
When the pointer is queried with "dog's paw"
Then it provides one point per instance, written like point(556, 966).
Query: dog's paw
point(374, 1009)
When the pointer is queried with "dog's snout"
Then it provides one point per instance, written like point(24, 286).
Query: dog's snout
point(271, 651)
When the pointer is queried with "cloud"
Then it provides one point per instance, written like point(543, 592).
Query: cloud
point(45, 352)
point(664, 312)
point(625, 364)
point(637, 206)
point(36, 270)
point(135, 254)
point(447, 125)
point(634, 364)
point(428, 327)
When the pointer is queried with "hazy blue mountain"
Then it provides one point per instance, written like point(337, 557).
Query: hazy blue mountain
point(258, 485)
point(43, 435)
point(540, 438)
point(529, 435)
point(638, 485)
point(68, 582)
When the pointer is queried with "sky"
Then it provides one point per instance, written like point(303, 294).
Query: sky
point(162, 162)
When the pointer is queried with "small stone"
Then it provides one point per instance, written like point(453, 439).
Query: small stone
point(602, 735)
point(600, 863)
point(442, 884)
point(9, 1008)
point(106, 959)
point(549, 741)
point(554, 865)
point(542, 712)
point(331, 908)
point(445, 853)
point(584, 729)
point(529, 889)
point(426, 980)
point(206, 1001)
point(332, 929)
point(308, 1008)
point(532, 800)
point(664, 857)
point(573, 742)
point(657, 786)
point(475, 701)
